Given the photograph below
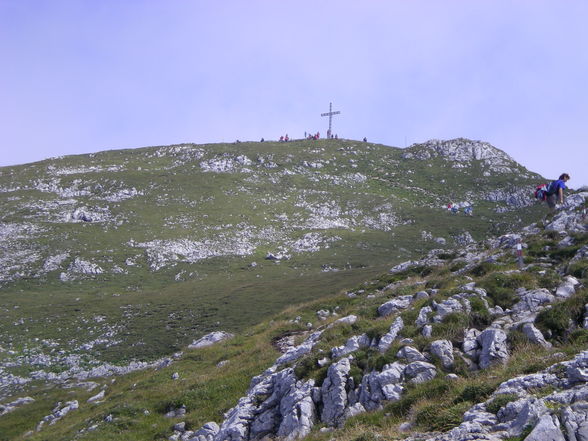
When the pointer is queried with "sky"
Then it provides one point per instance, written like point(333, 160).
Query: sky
point(85, 76)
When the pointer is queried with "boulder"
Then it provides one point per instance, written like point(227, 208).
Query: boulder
point(352, 345)
point(567, 288)
point(208, 431)
point(419, 372)
point(443, 350)
point(210, 339)
point(395, 305)
point(547, 429)
point(575, 421)
point(470, 345)
point(410, 354)
point(334, 394)
point(493, 347)
point(533, 300)
point(379, 386)
point(423, 317)
point(534, 335)
point(390, 336)
point(297, 411)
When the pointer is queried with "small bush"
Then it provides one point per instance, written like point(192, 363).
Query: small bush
point(579, 336)
point(434, 417)
point(457, 266)
point(501, 287)
point(451, 328)
point(482, 269)
point(480, 316)
point(475, 393)
point(499, 402)
point(517, 339)
point(579, 269)
point(563, 317)
point(562, 254)
point(367, 436)
point(447, 256)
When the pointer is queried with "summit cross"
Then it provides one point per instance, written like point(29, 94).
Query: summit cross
point(330, 114)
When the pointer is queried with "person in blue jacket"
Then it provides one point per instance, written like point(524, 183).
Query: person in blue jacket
point(555, 190)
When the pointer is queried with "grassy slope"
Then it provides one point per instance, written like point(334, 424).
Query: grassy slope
point(207, 390)
point(153, 313)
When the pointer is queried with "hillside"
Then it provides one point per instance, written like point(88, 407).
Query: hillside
point(460, 344)
point(184, 240)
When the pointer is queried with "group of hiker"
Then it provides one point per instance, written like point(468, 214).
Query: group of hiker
point(468, 210)
point(284, 138)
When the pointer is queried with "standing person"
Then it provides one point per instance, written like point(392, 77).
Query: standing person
point(555, 191)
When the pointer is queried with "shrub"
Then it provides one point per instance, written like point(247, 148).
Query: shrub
point(475, 392)
point(517, 339)
point(500, 401)
point(500, 287)
point(562, 317)
point(434, 417)
point(483, 268)
point(579, 269)
point(579, 336)
point(480, 316)
point(451, 328)
point(457, 266)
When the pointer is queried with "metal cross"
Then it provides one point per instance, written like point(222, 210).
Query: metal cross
point(330, 114)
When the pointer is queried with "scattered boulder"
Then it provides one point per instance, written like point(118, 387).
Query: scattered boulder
point(210, 339)
point(534, 335)
point(390, 336)
point(410, 354)
point(493, 347)
point(420, 372)
point(443, 350)
point(395, 305)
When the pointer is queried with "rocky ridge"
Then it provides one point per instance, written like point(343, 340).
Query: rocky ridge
point(281, 403)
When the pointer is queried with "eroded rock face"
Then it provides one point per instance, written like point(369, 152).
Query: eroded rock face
point(334, 394)
point(377, 387)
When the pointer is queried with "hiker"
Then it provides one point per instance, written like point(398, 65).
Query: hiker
point(282, 138)
point(286, 138)
point(262, 140)
point(555, 191)
point(364, 139)
point(468, 210)
point(454, 208)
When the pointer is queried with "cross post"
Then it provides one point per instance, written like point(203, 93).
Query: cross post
point(330, 114)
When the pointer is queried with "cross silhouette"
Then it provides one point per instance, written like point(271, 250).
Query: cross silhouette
point(330, 114)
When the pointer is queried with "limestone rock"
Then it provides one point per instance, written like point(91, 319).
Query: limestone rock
point(493, 347)
point(410, 354)
point(391, 335)
point(575, 421)
point(379, 386)
point(210, 339)
point(534, 335)
point(394, 305)
point(334, 394)
point(548, 428)
point(419, 372)
point(443, 350)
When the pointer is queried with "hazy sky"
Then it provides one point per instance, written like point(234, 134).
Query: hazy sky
point(84, 76)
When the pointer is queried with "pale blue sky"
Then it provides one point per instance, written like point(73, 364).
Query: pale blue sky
point(84, 76)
